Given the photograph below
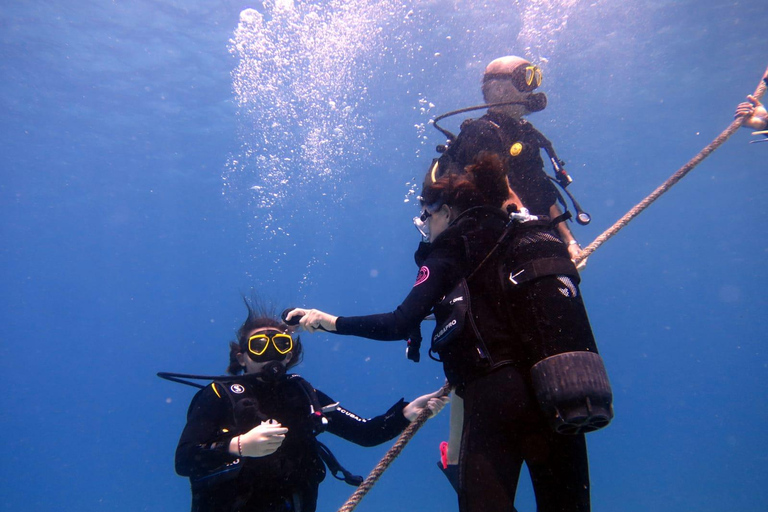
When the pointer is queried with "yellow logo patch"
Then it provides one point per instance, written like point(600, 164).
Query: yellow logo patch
point(516, 148)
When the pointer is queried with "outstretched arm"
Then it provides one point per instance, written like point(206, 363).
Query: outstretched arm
point(434, 280)
point(373, 431)
point(312, 320)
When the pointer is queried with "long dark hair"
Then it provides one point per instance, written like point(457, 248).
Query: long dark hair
point(483, 183)
point(260, 316)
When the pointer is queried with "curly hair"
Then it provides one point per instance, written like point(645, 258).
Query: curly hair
point(260, 316)
point(483, 183)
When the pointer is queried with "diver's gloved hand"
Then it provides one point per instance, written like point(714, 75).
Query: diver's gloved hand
point(754, 114)
point(433, 401)
point(260, 441)
point(312, 320)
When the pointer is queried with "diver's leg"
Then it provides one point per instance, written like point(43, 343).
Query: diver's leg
point(490, 458)
point(559, 471)
point(554, 320)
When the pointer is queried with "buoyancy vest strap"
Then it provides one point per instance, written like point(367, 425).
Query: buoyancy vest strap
point(309, 392)
point(560, 218)
point(512, 225)
point(502, 238)
point(543, 267)
point(323, 451)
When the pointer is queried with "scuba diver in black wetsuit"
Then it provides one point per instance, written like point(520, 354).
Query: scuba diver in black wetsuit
point(508, 329)
point(507, 86)
point(249, 443)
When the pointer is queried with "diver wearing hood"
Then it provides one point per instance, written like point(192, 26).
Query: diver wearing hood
point(508, 87)
point(250, 444)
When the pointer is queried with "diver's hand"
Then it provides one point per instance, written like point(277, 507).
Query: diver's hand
point(753, 113)
point(433, 401)
point(260, 441)
point(313, 320)
point(574, 249)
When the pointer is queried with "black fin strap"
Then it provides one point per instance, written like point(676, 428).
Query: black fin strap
point(335, 467)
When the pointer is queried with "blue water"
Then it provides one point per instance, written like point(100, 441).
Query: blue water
point(130, 228)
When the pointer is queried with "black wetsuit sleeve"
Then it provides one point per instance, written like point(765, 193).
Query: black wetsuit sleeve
point(203, 446)
point(434, 280)
point(365, 431)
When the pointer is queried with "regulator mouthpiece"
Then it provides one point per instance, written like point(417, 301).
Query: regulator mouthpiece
point(536, 102)
point(272, 371)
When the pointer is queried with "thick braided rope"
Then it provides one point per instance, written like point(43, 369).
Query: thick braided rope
point(390, 456)
point(677, 176)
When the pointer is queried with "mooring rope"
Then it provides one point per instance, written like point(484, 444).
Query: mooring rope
point(390, 456)
point(422, 418)
point(677, 176)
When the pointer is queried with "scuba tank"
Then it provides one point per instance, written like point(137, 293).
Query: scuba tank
point(569, 379)
point(573, 390)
